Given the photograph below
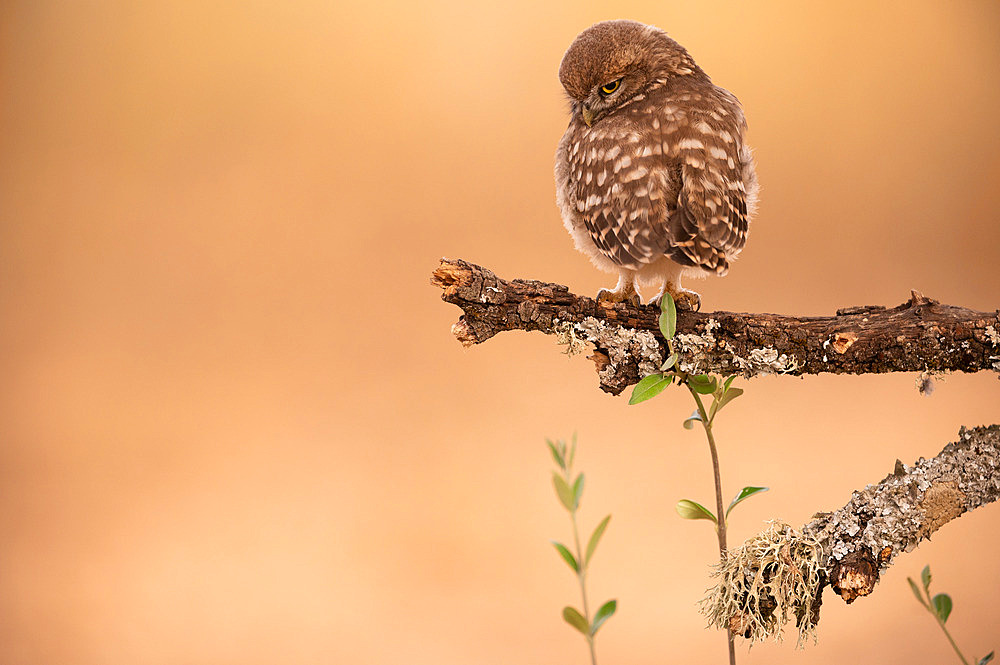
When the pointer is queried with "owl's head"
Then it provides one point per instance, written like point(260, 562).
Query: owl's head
point(611, 62)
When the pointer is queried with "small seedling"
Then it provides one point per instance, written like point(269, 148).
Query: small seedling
point(569, 489)
point(940, 606)
point(699, 385)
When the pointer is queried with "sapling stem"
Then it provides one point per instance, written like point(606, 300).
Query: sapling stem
point(950, 639)
point(582, 576)
point(569, 490)
point(719, 508)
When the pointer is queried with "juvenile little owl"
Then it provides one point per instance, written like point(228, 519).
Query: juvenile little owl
point(653, 177)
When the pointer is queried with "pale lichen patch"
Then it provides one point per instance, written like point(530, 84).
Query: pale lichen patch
point(622, 344)
point(693, 347)
point(992, 335)
point(925, 383)
point(701, 350)
point(566, 335)
point(464, 333)
point(767, 360)
point(771, 579)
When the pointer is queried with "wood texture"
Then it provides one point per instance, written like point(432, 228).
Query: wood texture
point(906, 507)
point(920, 335)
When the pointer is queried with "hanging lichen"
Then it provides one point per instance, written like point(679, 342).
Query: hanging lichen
point(771, 579)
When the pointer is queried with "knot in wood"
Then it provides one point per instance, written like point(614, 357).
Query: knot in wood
point(855, 575)
point(843, 341)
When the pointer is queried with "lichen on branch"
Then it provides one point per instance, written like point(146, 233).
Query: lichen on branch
point(920, 335)
point(781, 572)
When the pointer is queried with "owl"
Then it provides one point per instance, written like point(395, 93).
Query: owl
point(653, 177)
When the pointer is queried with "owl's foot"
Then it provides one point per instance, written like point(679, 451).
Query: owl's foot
point(686, 300)
point(626, 294)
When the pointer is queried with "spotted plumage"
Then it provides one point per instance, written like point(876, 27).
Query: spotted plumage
point(653, 176)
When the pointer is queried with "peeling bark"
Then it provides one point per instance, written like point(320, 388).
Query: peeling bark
point(855, 544)
point(786, 569)
point(885, 520)
point(921, 335)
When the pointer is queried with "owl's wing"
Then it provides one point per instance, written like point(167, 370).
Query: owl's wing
point(625, 202)
point(709, 224)
point(630, 239)
point(683, 197)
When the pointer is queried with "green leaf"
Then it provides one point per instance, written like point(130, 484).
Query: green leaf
point(925, 577)
point(916, 591)
point(650, 387)
point(603, 614)
point(690, 420)
point(668, 316)
point(595, 538)
point(942, 606)
point(691, 510)
point(670, 361)
point(567, 556)
point(572, 451)
point(723, 395)
point(744, 494)
point(563, 491)
point(577, 490)
point(555, 454)
point(985, 659)
point(573, 617)
point(717, 393)
point(729, 396)
point(702, 383)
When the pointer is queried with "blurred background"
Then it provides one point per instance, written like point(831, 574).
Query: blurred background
point(236, 429)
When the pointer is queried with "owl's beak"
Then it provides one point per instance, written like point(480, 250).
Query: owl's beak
point(588, 115)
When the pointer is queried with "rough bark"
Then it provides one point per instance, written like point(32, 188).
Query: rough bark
point(885, 520)
point(920, 335)
point(779, 575)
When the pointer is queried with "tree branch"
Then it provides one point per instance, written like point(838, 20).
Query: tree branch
point(850, 547)
point(779, 574)
point(906, 507)
point(920, 335)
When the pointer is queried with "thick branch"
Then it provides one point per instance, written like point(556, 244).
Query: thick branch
point(919, 335)
point(906, 507)
point(779, 574)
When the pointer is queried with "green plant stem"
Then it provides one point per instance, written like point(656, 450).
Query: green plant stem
point(581, 573)
point(582, 576)
point(948, 635)
point(719, 508)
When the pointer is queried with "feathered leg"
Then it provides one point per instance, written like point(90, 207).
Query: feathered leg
point(623, 291)
point(684, 299)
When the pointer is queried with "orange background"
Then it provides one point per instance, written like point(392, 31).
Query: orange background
point(235, 427)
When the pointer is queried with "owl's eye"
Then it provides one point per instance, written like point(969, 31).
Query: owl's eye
point(611, 87)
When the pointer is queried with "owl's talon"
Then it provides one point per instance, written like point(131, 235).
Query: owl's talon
point(684, 300)
point(687, 301)
point(614, 296)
